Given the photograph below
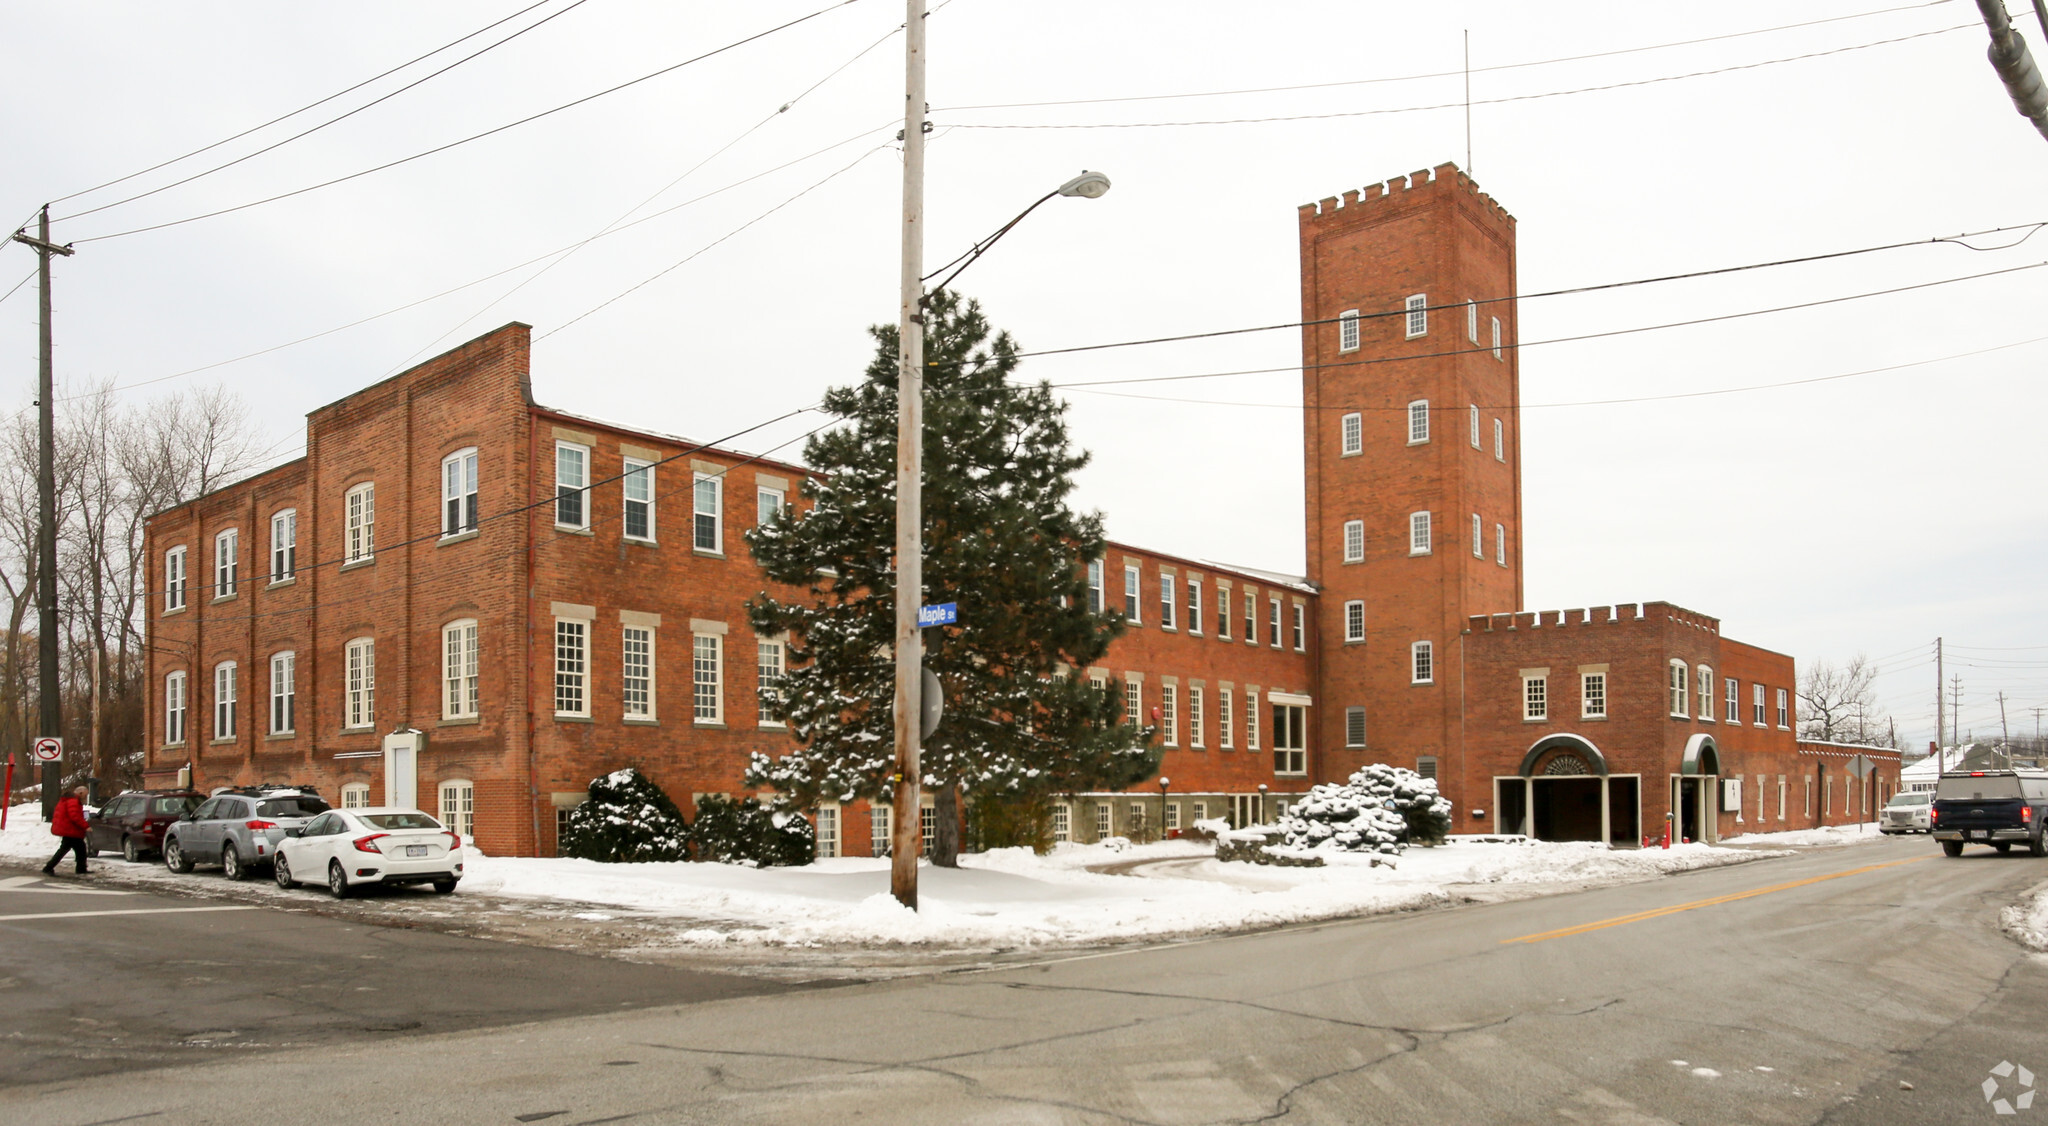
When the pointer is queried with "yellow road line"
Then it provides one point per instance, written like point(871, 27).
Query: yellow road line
point(1640, 916)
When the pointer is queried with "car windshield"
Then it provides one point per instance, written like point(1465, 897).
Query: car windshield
point(1967, 788)
point(301, 806)
point(400, 821)
point(1910, 799)
point(173, 807)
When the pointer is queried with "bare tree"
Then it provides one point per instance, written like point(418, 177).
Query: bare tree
point(1838, 704)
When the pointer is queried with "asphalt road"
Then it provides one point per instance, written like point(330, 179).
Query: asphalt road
point(1795, 990)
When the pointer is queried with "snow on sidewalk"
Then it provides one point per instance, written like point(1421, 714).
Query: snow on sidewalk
point(1865, 833)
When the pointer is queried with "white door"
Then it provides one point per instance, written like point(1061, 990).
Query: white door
point(401, 770)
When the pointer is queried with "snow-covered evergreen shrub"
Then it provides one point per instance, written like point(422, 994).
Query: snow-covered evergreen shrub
point(627, 819)
point(1380, 809)
point(748, 832)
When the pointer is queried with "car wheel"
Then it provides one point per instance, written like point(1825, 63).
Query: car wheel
point(337, 880)
point(281, 871)
point(231, 863)
point(1951, 848)
point(2038, 846)
point(129, 851)
point(175, 858)
point(444, 886)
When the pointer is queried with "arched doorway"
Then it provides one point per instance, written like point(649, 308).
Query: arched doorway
point(1563, 792)
point(1696, 791)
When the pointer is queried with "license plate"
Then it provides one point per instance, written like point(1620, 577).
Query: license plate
point(415, 850)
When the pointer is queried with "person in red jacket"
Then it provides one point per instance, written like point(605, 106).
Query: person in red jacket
point(69, 824)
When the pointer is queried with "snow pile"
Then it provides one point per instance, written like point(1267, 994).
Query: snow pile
point(1380, 809)
point(2027, 921)
point(27, 836)
point(1807, 838)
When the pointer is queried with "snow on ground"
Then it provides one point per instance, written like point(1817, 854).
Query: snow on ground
point(1810, 838)
point(2027, 921)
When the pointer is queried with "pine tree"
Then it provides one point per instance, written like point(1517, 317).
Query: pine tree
point(626, 819)
point(1021, 718)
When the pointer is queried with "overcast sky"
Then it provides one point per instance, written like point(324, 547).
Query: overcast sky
point(1867, 514)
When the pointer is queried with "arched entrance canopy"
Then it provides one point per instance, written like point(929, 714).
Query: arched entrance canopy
point(1575, 744)
point(1701, 756)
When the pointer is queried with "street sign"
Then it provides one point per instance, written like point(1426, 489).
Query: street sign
point(1861, 766)
point(47, 749)
point(944, 614)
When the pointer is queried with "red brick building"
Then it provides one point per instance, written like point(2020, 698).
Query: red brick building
point(464, 600)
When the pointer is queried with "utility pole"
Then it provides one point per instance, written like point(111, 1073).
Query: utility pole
point(2004, 731)
point(907, 831)
point(1955, 706)
point(1940, 716)
point(47, 684)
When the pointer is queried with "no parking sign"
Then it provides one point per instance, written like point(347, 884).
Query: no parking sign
point(49, 748)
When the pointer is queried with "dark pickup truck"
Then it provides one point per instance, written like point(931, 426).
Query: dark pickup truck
point(2000, 808)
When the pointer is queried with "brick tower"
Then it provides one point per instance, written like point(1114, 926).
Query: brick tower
point(1412, 436)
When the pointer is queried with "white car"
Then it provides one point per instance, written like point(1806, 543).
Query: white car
point(1907, 813)
point(344, 848)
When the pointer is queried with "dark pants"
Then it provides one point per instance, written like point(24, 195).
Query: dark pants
point(71, 844)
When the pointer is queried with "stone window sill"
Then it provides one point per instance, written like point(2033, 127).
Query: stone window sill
point(275, 583)
point(567, 529)
point(461, 721)
point(281, 737)
point(365, 561)
point(175, 613)
point(640, 721)
point(458, 537)
point(574, 719)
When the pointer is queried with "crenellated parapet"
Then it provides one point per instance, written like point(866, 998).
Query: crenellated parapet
point(1444, 177)
point(1620, 613)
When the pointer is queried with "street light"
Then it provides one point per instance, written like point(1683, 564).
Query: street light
point(1262, 803)
point(1165, 784)
point(1088, 185)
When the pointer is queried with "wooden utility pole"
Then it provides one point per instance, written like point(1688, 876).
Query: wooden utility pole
point(907, 832)
point(47, 683)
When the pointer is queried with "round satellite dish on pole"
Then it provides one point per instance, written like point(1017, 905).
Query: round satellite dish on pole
point(1088, 185)
point(932, 704)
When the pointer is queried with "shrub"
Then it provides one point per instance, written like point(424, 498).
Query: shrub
point(627, 819)
point(748, 832)
point(1380, 809)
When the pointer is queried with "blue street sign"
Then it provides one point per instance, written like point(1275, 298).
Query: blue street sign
point(944, 614)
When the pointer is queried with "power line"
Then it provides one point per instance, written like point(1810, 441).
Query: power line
point(17, 285)
point(475, 136)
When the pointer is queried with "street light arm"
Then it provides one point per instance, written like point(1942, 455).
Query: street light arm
point(981, 248)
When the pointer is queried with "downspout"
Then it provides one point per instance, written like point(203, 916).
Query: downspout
point(532, 755)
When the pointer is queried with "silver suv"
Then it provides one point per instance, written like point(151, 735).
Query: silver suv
point(239, 829)
point(1907, 813)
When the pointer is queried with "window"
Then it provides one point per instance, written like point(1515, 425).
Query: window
point(224, 698)
point(1756, 700)
point(459, 678)
point(767, 504)
point(1223, 724)
point(928, 828)
point(1290, 745)
point(1101, 820)
point(283, 692)
point(709, 493)
point(359, 539)
point(1500, 445)
point(768, 666)
point(284, 545)
point(1478, 537)
point(1354, 620)
point(174, 708)
point(1172, 819)
point(572, 485)
point(458, 493)
point(1062, 823)
point(1535, 697)
point(1706, 691)
point(174, 579)
point(1251, 719)
point(1677, 689)
point(1300, 628)
point(636, 671)
point(1422, 658)
point(1347, 331)
point(572, 667)
point(1354, 541)
point(1418, 315)
point(1500, 544)
point(1169, 714)
point(1131, 594)
point(1418, 533)
point(1732, 706)
point(1273, 621)
point(1196, 736)
point(878, 828)
point(1195, 606)
point(1593, 695)
point(1354, 727)
point(227, 560)
point(1472, 321)
point(1475, 426)
point(1134, 702)
point(639, 497)
point(359, 685)
point(458, 807)
point(828, 832)
point(1418, 422)
point(1095, 594)
point(1222, 612)
point(1251, 617)
point(1166, 602)
point(355, 795)
point(1353, 429)
point(1784, 712)
point(1496, 338)
point(1781, 797)
point(707, 678)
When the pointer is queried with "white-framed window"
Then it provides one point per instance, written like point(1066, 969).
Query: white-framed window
point(1500, 441)
point(1251, 719)
point(637, 484)
point(1172, 820)
point(1273, 621)
point(1422, 663)
point(284, 695)
point(636, 671)
point(1756, 698)
point(1535, 697)
point(1472, 321)
point(1290, 739)
point(709, 529)
point(1500, 544)
point(1354, 726)
point(227, 562)
point(359, 684)
point(1195, 607)
point(1131, 596)
point(359, 536)
point(768, 504)
point(1166, 600)
point(1095, 591)
point(572, 485)
point(928, 828)
point(1354, 541)
point(1781, 797)
point(878, 828)
point(461, 680)
point(174, 579)
point(1418, 422)
point(174, 708)
point(1478, 537)
point(1496, 338)
point(1418, 533)
point(458, 492)
point(1354, 620)
point(827, 835)
point(284, 545)
point(1299, 628)
point(1677, 688)
point(1418, 315)
point(458, 807)
point(1222, 612)
point(1062, 822)
point(1169, 714)
point(1134, 703)
point(768, 663)
point(1732, 701)
point(1352, 429)
point(1224, 728)
point(1347, 331)
point(1704, 683)
point(1593, 695)
point(225, 697)
point(1784, 710)
point(1475, 426)
point(1102, 827)
point(355, 795)
point(572, 667)
point(707, 678)
point(1197, 738)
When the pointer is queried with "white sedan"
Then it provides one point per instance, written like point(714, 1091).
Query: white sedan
point(379, 845)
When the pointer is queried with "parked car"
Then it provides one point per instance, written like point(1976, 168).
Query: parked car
point(1906, 813)
point(238, 829)
point(133, 824)
point(378, 845)
point(2000, 808)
